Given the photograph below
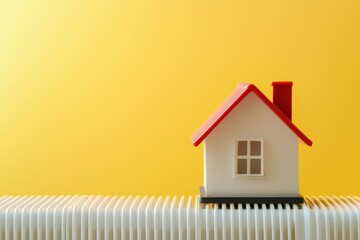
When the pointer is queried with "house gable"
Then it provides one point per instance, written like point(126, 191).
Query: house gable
point(231, 102)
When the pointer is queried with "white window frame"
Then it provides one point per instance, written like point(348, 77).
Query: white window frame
point(248, 158)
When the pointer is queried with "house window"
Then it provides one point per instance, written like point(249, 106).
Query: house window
point(249, 158)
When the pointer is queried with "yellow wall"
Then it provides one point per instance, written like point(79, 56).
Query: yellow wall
point(102, 97)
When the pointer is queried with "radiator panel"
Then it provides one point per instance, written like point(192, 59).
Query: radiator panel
point(128, 217)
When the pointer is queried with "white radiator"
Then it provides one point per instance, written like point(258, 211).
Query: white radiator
point(99, 217)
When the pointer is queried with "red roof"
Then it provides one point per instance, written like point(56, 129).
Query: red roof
point(242, 90)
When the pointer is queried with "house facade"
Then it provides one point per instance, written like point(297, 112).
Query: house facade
point(251, 145)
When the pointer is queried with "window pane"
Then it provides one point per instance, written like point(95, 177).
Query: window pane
point(242, 148)
point(255, 166)
point(242, 166)
point(255, 148)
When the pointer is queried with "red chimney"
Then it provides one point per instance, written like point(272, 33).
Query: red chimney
point(282, 97)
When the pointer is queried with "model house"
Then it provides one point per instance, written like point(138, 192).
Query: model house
point(251, 148)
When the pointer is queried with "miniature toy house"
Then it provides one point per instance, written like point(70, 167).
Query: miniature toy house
point(251, 148)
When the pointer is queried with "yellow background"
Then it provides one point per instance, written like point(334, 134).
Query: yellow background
point(101, 97)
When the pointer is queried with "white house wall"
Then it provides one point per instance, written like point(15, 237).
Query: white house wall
point(251, 119)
